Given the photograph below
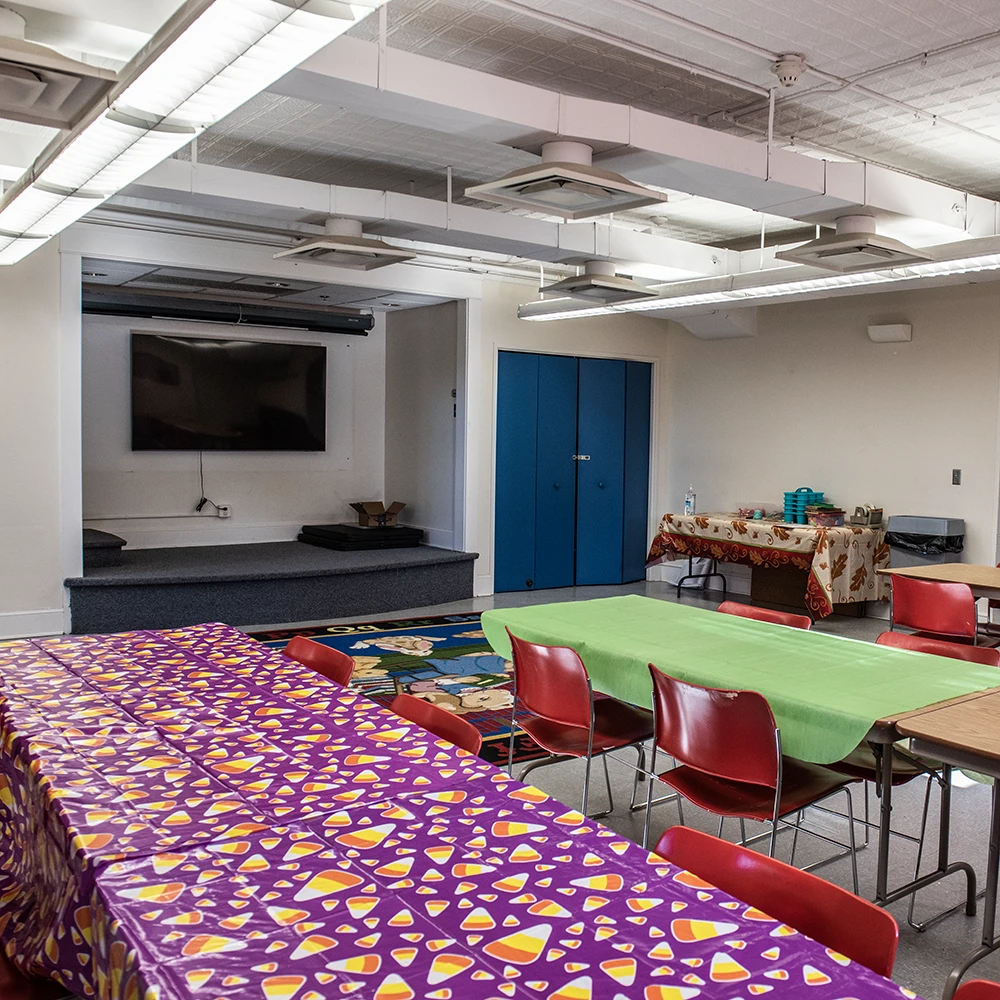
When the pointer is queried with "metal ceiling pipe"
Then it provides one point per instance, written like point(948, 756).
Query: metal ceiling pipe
point(844, 84)
point(632, 47)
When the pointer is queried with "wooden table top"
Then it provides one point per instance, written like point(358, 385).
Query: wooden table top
point(970, 724)
point(977, 577)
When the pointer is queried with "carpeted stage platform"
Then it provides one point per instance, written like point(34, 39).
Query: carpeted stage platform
point(263, 583)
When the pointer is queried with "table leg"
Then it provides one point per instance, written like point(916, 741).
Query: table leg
point(883, 753)
point(883, 896)
point(990, 943)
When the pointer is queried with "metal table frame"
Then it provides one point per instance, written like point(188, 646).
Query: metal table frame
point(989, 940)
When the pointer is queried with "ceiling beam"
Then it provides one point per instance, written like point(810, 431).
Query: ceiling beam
point(422, 220)
point(649, 148)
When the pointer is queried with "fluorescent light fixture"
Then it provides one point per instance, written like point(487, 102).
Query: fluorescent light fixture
point(744, 288)
point(193, 73)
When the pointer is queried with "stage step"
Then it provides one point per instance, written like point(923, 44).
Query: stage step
point(262, 583)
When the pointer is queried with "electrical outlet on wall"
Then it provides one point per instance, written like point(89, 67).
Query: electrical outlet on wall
point(224, 510)
point(956, 477)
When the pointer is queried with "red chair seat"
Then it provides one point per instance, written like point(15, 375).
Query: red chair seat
point(978, 989)
point(801, 785)
point(616, 725)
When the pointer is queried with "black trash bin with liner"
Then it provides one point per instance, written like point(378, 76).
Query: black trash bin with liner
point(923, 541)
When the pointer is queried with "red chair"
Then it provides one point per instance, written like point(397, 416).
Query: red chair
point(14, 985)
point(331, 663)
point(828, 914)
point(438, 721)
point(934, 609)
point(552, 685)
point(765, 615)
point(988, 656)
point(730, 762)
point(978, 989)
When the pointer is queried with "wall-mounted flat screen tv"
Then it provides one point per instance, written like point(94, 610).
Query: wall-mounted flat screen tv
point(197, 394)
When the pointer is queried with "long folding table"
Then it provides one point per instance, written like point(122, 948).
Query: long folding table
point(188, 815)
point(828, 693)
point(967, 734)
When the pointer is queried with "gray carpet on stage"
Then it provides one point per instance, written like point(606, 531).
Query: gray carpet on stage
point(262, 582)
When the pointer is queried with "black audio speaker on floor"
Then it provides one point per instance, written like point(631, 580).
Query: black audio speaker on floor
point(352, 537)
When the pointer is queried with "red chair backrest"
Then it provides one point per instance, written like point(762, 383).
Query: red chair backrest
point(551, 681)
point(828, 914)
point(932, 606)
point(978, 989)
point(986, 655)
point(438, 721)
point(731, 734)
point(765, 615)
point(331, 663)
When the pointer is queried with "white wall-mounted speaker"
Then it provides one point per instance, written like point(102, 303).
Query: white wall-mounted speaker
point(893, 333)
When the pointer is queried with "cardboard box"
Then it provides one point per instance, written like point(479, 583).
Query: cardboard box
point(375, 514)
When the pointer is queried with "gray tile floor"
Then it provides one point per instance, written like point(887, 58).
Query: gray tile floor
point(924, 959)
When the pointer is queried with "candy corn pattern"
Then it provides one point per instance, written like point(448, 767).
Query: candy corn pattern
point(234, 826)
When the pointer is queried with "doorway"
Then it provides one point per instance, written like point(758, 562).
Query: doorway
point(572, 472)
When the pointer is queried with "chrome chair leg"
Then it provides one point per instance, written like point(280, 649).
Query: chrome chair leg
point(743, 832)
point(607, 782)
point(795, 837)
point(851, 840)
point(640, 775)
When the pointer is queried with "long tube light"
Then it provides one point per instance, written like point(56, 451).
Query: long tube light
point(204, 64)
point(566, 308)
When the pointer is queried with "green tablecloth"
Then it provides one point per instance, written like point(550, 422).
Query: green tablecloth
point(825, 690)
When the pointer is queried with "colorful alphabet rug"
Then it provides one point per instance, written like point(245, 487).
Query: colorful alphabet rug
point(444, 659)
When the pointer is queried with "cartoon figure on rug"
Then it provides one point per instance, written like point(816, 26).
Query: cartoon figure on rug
point(453, 694)
point(414, 645)
point(366, 668)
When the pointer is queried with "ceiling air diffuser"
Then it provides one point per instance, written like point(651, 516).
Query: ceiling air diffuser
point(854, 247)
point(345, 245)
point(566, 184)
point(600, 284)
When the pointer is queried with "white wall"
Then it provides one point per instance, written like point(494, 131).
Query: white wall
point(39, 458)
point(421, 357)
point(271, 494)
point(811, 401)
point(497, 328)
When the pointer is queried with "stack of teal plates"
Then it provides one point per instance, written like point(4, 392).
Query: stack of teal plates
point(797, 501)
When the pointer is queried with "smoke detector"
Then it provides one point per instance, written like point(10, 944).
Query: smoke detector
point(599, 283)
point(345, 245)
point(566, 184)
point(41, 86)
point(854, 247)
point(788, 68)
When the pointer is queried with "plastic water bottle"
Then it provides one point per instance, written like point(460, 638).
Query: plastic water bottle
point(690, 501)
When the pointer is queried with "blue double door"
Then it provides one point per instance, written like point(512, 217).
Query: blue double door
point(572, 472)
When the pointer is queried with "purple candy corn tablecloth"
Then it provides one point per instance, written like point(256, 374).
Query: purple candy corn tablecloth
point(186, 814)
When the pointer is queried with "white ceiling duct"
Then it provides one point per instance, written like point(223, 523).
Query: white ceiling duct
point(41, 86)
point(854, 247)
point(567, 185)
point(599, 283)
point(345, 245)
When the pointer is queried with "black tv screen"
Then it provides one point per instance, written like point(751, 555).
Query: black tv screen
point(196, 394)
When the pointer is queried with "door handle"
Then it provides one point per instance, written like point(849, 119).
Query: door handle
point(581, 458)
point(600, 486)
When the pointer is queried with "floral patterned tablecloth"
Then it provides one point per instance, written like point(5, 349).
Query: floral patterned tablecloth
point(841, 561)
point(188, 815)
